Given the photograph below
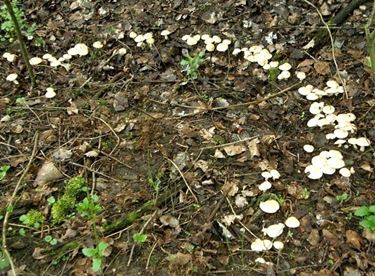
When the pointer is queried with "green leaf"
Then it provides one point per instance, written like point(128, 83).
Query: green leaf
point(89, 251)
point(96, 264)
point(4, 262)
point(48, 238)
point(362, 211)
point(139, 238)
point(3, 171)
point(102, 246)
point(51, 200)
point(371, 208)
point(369, 223)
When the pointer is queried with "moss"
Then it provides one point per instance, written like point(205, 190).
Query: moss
point(33, 218)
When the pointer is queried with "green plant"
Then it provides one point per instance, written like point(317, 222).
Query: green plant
point(62, 208)
point(89, 207)
point(51, 240)
point(3, 171)
point(273, 73)
point(7, 26)
point(4, 261)
point(33, 218)
point(342, 198)
point(96, 254)
point(190, 65)
point(367, 214)
point(139, 238)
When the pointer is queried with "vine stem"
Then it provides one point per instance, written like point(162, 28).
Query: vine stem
point(24, 52)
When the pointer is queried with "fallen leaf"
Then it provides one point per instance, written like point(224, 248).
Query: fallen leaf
point(229, 188)
point(232, 150)
point(353, 238)
point(253, 147)
point(47, 173)
point(179, 259)
point(322, 68)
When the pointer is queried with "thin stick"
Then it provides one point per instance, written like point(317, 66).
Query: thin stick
point(183, 178)
point(140, 232)
point(149, 255)
point(229, 144)
point(332, 46)
point(10, 206)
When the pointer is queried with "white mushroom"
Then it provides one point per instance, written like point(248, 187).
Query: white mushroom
point(50, 93)
point(328, 109)
point(35, 60)
point(264, 186)
point(210, 47)
point(340, 133)
point(285, 66)
point(305, 90)
point(316, 107)
point(191, 41)
point(236, 51)
point(300, 75)
point(292, 222)
point(261, 245)
point(82, 49)
point(270, 206)
point(273, 231)
point(345, 172)
point(216, 39)
point(308, 148)
point(284, 75)
point(278, 245)
point(97, 45)
point(313, 172)
point(222, 47)
point(9, 57)
point(165, 33)
point(275, 174)
point(133, 35)
point(363, 142)
point(12, 77)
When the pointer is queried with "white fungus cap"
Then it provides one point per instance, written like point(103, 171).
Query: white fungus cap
point(139, 38)
point(236, 51)
point(305, 90)
point(285, 66)
point(133, 35)
point(316, 107)
point(308, 148)
point(284, 75)
point(300, 75)
point(82, 49)
point(312, 96)
point(292, 222)
point(216, 39)
point(50, 93)
point(328, 109)
point(261, 245)
point(363, 142)
point(12, 77)
point(226, 41)
point(9, 57)
point(278, 245)
point(266, 175)
point(221, 47)
point(97, 45)
point(264, 186)
point(165, 33)
point(185, 37)
point(313, 172)
point(340, 133)
point(210, 47)
point(275, 174)
point(270, 206)
point(274, 230)
point(205, 37)
point(274, 64)
point(35, 60)
point(47, 56)
point(345, 172)
point(192, 41)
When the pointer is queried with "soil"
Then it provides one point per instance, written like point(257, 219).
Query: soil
point(176, 153)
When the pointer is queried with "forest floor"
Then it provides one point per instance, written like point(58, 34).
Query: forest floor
point(168, 159)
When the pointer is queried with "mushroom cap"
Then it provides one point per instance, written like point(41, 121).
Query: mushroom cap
point(266, 175)
point(285, 66)
point(305, 90)
point(270, 206)
point(12, 77)
point(312, 96)
point(226, 41)
point(50, 93)
point(81, 49)
point(308, 148)
point(205, 36)
point(300, 75)
point(313, 172)
point(210, 47)
point(222, 47)
point(236, 51)
point(165, 32)
point(261, 245)
point(340, 133)
point(216, 39)
point(284, 75)
point(278, 245)
point(332, 84)
point(139, 38)
point(363, 142)
point(35, 60)
point(345, 172)
point(275, 174)
point(316, 107)
point(292, 222)
point(133, 35)
point(335, 163)
point(319, 161)
point(330, 136)
point(97, 45)
point(328, 109)
point(191, 41)
point(274, 230)
point(264, 186)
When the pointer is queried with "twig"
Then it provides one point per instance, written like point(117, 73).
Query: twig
point(114, 132)
point(229, 144)
point(140, 232)
point(149, 255)
point(183, 178)
point(10, 206)
point(332, 46)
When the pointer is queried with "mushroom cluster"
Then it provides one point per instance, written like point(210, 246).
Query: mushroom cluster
point(9, 57)
point(272, 174)
point(211, 42)
point(141, 39)
point(312, 94)
point(327, 162)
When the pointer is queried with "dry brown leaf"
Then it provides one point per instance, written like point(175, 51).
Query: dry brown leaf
point(230, 188)
point(232, 150)
point(48, 172)
point(322, 68)
point(353, 238)
point(179, 259)
point(253, 147)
